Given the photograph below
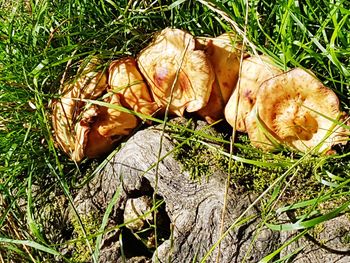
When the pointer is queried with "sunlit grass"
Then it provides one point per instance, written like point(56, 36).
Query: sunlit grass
point(41, 41)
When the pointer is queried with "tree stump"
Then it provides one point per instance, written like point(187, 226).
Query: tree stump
point(193, 208)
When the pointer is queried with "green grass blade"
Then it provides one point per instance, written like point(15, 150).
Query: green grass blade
point(310, 223)
point(270, 257)
point(33, 226)
point(32, 244)
point(104, 222)
point(334, 60)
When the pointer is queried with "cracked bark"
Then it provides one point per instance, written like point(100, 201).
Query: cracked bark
point(194, 208)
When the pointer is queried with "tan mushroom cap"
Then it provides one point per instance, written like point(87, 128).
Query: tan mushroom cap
point(255, 70)
point(224, 53)
point(98, 145)
point(112, 122)
point(126, 80)
point(92, 131)
point(176, 72)
point(110, 127)
point(62, 122)
point(90, 84)
point(296, 109)
point(82, 129)
point(101, 128)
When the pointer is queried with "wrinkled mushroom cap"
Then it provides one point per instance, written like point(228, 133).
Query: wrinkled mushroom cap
point(126, 80)
point(90, 84)
point(296, 109)
point(82, 129)
point(176, 72)
point(101, 128)
point(112, 122)
point(255, 70)
point(62, 122)
point(89, 130)
point(224, 53)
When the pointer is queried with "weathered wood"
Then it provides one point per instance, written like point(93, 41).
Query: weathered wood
point(194, 208)
point(330, 243)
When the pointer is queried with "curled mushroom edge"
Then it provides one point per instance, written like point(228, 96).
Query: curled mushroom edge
point(302, 114)
point(126, 80)
point(254, 71)
point(89, 83)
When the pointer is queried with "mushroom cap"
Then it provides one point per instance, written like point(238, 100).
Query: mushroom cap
point(98, 145)
point(82, 129)
point(100, 129)
point(126, 80)
point(62, 123)
point(254, 71)
point(89, 130)
point(112, 122)
point(176, 72)
point(296, 109)
point(90, 84)
point(91, 81)
point(224, 53)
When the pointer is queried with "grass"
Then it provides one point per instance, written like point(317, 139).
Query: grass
point(41, 40)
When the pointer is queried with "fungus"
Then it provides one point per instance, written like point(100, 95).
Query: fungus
point(100, 128)
point(177, 74)
point(83, 130)
point(296, 109)
point(254, 71)
point(110, 127)
point(91, 80)
point(224, 53)
point(62, 122)
point(126, 80)
point(89, 84)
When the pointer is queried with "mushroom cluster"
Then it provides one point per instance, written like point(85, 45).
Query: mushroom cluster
point(179, 73)
point(84, 129)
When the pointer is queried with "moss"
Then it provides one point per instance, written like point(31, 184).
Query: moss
point(200, 162)
point(196, 158)
point(316, 232)
point(345, 239)
point(81, 251)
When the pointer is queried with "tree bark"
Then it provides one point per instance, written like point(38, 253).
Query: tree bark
point(194, 208)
